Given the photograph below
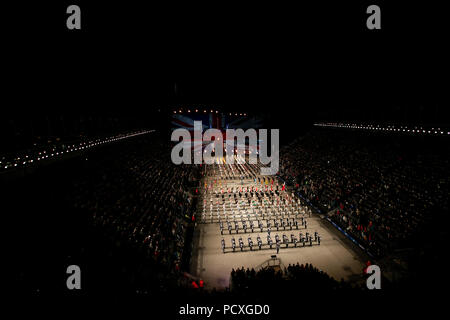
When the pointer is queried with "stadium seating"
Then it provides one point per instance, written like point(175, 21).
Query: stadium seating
point(380, 190)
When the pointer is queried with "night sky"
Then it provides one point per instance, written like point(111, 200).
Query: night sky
point(297, 63)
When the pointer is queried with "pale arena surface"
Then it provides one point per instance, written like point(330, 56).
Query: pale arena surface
point(336, 255)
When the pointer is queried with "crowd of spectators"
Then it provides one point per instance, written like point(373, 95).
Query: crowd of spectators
point(139, 207)
point(295, 277)
point(382, 190)
point(134, 207)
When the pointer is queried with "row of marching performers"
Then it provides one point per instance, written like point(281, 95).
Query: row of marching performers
point(302, 241)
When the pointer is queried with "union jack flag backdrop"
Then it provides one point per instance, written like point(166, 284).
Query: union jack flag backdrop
point(215, 120)
point(221, 121)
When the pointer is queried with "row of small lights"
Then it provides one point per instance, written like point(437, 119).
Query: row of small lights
point(72, 148)
point(382, 128)
point(238, 114)
point(211, 111)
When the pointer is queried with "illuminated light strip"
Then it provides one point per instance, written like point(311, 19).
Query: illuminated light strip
point(80, 146)
point(386, 128)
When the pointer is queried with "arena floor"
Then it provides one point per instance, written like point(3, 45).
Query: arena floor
point(336, 255)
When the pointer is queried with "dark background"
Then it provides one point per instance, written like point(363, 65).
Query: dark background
point(314, 58)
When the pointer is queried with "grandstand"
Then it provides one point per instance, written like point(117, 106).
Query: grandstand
point(346, 196)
